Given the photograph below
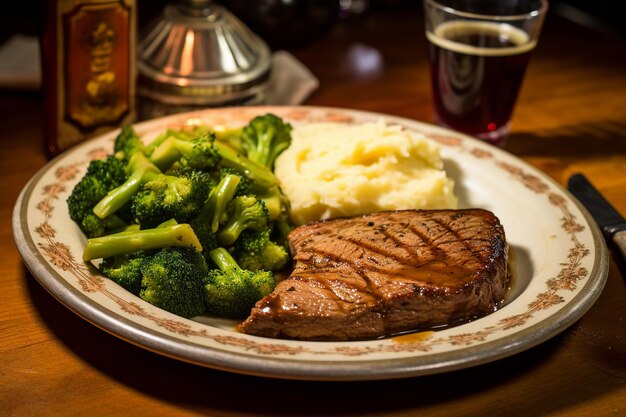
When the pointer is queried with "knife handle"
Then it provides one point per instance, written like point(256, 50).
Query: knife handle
point(619, 239)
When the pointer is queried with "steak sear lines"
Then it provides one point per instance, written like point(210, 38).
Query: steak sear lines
point(387, 272)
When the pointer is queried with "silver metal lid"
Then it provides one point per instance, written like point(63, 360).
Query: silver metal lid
point(198, 53)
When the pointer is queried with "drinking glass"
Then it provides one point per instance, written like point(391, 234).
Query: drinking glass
point(478, 54)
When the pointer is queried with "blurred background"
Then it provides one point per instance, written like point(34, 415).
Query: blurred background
point(305, 20)
point(291, 25)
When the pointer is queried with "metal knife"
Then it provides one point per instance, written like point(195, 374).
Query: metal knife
point(612, 224)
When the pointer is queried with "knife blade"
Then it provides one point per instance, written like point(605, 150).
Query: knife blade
point(611, 222)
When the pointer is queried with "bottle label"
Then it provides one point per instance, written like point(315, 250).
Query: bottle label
point(96, 67)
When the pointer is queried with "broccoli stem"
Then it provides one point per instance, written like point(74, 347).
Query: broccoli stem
point(260, 175)
point(217, 202)
point(274, 203)
point(229, 136)
point(220, 197)
point(223, 259)
point(141, 171)
point(147, 239)
point(118, 197)
point(166, 154)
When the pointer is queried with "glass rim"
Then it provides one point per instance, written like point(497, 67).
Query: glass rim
point(482, 16)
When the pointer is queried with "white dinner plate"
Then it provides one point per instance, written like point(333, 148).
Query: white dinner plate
point(559, 264)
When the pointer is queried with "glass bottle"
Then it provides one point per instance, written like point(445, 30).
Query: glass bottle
point(89, 68)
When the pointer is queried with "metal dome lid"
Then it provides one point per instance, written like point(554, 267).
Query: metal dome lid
point(199, 53)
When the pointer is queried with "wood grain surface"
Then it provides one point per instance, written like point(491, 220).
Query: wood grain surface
point(571, 117)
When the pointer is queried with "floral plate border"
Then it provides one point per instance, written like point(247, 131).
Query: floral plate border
point(547, 301)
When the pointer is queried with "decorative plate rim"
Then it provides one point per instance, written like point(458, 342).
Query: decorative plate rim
point(292, 367)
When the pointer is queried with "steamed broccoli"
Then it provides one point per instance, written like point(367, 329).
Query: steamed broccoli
point(197, 153)
point(255, 250)
point(261, 176)
point(102, 176)
point(232, 291)
point(276, 202)
point(204, 152)
point(264, 138)
point(156, 214)
point(163, 197)
point(147, 239)
point(172, 279)
point(207, 222)
point(220, 198)
point(125, 270)
point(244, 187)
point(139, 170)
point(244, 212)
point(181, 134)
point(206, 237)
point(127, 143)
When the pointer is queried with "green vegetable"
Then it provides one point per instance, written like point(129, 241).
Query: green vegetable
point(206, 224)
point(262, 177)
point(232, 291)
point(164, 197)
point(255, 251)
point(172, 279)
point(147, 239)
point(220, 198)
point(264, 138)
point(127, 143)
point(140, 170)
point(101, 177)
point(125, 270)
point(157, 214)
point(244, 213)
point(197, 153)
point(244, 187)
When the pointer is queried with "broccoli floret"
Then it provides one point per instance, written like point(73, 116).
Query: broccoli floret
point(264, 138)
point(255, 250)
point(206, 237)
point(102, 176)
point(127, 143)
point(207, 222)
point(139, 171)
point(245, 184)
point(147, 239)
point(232, 291)
point(165, 197)
point(172, 279)
point(125, 270)
point(93, 226)
point(196, 153)
point(244, 213)
point(204, 152)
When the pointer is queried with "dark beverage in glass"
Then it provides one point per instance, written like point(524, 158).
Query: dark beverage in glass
point(476, 72)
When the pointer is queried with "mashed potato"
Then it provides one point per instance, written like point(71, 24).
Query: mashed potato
point(338, 170)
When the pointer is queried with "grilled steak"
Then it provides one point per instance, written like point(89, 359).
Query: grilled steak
point(388, 272)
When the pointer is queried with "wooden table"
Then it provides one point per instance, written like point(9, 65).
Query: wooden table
point(571, 117)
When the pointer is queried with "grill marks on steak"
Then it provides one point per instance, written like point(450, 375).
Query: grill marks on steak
point(388, 272)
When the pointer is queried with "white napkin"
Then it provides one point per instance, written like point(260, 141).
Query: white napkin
point(290, 83)
point(19, 63)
